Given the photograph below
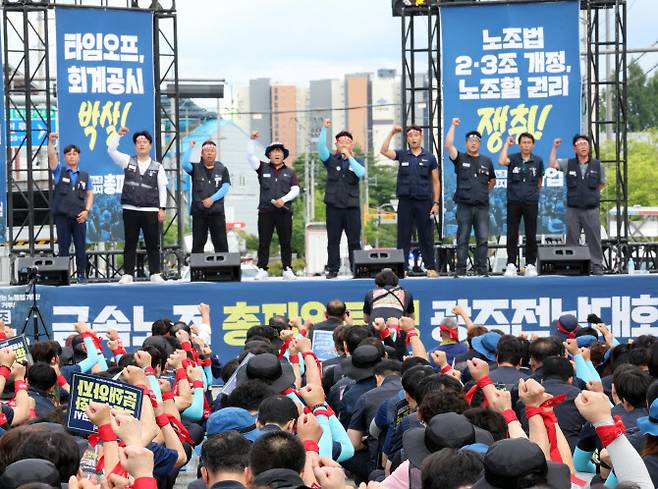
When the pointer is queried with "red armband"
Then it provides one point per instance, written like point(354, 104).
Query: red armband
point(484, 382)
point(168, 396)
point(20, 385)
point(294, 359)
point(384, 333)
point(61, 380)
point(509, 416)
point(197, 383)
point(303, 332)
point(149, 371)
point(5, 372)
point(446, 369)
point(609, 433)
point(309, 354)
point(181, 374)
point(162, 420)
point(106, 434)
point(311, 446)
point(206, 363)
point(187, 346)
point(120, 350)
point(409, 336)
point(145, 483)
point(3, 335)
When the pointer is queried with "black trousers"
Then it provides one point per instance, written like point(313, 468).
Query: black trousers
point(147, 222)
point(216, 224)
point(529, 213)
point(281, 220)
point(339, 220)
point(68, 228)
point(414, 211)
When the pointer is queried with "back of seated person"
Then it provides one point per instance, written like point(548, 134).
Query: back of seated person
point(58, 447)
point(42, 379)
point(277, 413)
point(275, 450)
point(224, 458)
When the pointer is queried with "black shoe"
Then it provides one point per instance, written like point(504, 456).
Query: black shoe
point(332, 274)
point(597, 271)
point(459, 273)
point(482, 273)
point(82, 280)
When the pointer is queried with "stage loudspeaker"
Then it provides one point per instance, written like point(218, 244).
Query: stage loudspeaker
point(368, 263)
point(563, 260)
point(215, 267)
point(48, 270)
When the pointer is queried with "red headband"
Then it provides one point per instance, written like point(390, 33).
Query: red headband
point(208, 145)
point(453, 332)
point(344, 138)
point(414, 130)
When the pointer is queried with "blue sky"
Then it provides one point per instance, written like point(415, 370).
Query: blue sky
point(297, 40)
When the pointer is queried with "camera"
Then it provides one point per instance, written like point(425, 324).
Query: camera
point(31, 272)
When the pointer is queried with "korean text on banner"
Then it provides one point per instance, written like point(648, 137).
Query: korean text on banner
point(509, 69)
point(19, 345)
point(89, 388)
point(105, 82)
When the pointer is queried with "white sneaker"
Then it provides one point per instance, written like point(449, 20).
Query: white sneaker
point(157, 278)
point(288, 274)
point(261, 275)
point(126, 279)
point(510, 270)
point(530, 271)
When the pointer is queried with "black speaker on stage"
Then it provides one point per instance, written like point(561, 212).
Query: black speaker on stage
point(368, 263)
point(215, 267)
point(563, 260)
point(51, 270)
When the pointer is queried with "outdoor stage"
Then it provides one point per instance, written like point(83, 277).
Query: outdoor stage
point(628, 303)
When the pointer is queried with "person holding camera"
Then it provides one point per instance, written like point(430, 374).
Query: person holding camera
point(72, 199)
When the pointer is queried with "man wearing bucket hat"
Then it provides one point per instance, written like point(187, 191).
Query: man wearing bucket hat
point(341, 196)
point(268, 368)
point(565, 327)
point(518, 462)
point(475, 179)
point(446, 430)
point(279, 186)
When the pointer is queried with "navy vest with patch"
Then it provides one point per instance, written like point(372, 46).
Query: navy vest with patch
point(70, 200)
point(140, 190)
point(415, 179)
point(473, 176)
point(273, 186)
point(342, 188)
point(203, 187)
point(522, 182)
point(583, 193)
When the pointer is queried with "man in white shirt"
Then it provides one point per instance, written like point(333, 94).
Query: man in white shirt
point(143, 200)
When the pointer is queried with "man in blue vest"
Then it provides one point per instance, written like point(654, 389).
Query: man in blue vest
point(279, 186)
point(524, 179)
point(585, 178)
point(341, 196)
point(417, 192)
point(143, 200)
point(71, 204)
point(475, 179)
point(210, 184)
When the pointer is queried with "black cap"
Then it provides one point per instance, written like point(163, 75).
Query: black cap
point(509, 461)
point(268, 368)
point(362, 363)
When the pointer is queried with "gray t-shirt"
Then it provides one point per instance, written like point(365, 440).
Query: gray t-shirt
point(564, 163)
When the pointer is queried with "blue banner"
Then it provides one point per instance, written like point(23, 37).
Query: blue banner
point(3, 151)
point(104, 82)
point(629, 304)
point(508, 69)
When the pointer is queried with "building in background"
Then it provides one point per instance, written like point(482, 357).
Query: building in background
point(359, 115)
point(386, 110)
point(260, 106)
point(285, 117)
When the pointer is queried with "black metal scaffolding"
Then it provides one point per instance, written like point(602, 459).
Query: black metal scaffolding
point(421, 47)
point(28, 92)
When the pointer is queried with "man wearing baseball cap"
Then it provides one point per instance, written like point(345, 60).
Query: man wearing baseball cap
point(475, 179)
point(341, 196)
point(279, 186)
point(417, 191)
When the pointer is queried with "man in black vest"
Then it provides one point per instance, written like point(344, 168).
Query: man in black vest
point(341, 196)
point(475, 179)
point(210, 184)
point(417, 191)
point(585, 178)
point(524, 179)
point(143, 199)
point(71, 203)
point(279, 186)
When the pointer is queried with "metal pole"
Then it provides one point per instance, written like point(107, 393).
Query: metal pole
point(608, 91)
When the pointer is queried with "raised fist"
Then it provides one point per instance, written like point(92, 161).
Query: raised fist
point(254, 135)
point(557, 142)
point(326, 123)
point(455, 121)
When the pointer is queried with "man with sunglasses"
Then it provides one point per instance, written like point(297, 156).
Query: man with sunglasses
point(585, 178)
point(475, 179)
point(417, 192)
